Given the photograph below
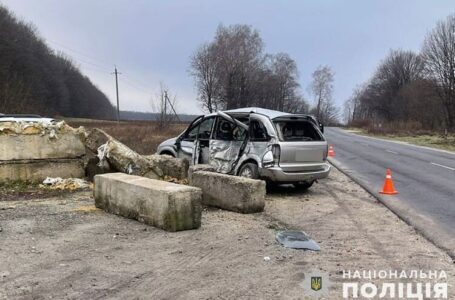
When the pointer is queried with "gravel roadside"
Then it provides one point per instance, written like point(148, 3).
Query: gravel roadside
point(63, 247)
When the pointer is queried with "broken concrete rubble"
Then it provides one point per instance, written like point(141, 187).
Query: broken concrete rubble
point(172, 167)
point(119, 156)
point(123, 159)
point(70, 184)
point(66, 145)
point(95, 138)
point(165, 205)
point(34, 150)
point(38, 170)
point(229, 192)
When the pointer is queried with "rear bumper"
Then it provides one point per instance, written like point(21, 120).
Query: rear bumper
point(276, 174)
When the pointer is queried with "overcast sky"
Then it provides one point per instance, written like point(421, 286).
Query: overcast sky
point(151, 41)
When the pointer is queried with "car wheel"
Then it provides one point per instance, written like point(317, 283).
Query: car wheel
point(304, 185)
point(249, 170)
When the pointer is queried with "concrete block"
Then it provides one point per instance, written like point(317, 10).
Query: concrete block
point(200, 167)
point(169, 206)
point(36, 146)
point(173, 167)
point(229, 192)
point(95, 138)
point(38, 170)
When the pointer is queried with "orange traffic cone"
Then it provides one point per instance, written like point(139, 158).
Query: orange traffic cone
point(331, 152)
point(388, 188)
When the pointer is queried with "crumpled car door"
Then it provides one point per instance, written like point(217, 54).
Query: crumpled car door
point(185, 144)
point(227, 143)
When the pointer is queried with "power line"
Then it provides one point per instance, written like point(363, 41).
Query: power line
point(135, 84)
point(78, 52)
point(102, 68)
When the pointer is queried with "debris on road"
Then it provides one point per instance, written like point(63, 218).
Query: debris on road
point(70, 184)
point(296, 240)
point(175, 180)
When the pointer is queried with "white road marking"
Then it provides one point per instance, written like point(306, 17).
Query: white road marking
point(390, 151)
point(442, 166)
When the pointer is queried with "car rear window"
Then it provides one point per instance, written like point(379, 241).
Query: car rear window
point(297, 130)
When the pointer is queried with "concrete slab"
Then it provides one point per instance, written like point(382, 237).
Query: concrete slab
point(201, 167)
point(173, 167)
point(38, 170)
point(229, 192)
point(169, 206)
point(36, 146)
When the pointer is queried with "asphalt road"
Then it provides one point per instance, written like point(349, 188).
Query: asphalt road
point(424, 178)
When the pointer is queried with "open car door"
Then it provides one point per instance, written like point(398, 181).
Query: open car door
point(227, 143)
point(185, 144)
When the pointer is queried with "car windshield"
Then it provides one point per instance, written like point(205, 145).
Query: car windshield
point(297, 130)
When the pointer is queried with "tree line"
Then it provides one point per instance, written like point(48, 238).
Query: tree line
point(34, 79)
point(411, 88)
point(233, 71)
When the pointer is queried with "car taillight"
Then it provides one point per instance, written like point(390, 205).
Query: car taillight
point(276, 151)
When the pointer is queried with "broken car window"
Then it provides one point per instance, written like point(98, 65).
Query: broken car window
point(227, 131)
point(258, 132)
point(297, 130)
point(204, 128)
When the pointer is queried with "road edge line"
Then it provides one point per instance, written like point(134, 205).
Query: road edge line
point(407, 220)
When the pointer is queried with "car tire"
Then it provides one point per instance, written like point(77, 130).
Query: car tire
point(249, 170)
point(304, 185)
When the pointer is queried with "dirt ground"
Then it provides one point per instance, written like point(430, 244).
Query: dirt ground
point(63, 247)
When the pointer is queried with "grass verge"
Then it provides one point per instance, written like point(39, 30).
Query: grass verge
point(435, 140)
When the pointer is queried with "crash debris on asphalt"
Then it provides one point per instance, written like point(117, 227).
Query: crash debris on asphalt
point(68, 184)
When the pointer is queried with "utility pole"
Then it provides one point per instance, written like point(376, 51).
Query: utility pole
point(116, 90)
point(172, 107)
point(165, 106)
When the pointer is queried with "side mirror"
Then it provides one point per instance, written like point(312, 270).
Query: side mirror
point(321, 127)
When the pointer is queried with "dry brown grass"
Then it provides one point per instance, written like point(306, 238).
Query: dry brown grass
point(141, 136)
point(417, 137)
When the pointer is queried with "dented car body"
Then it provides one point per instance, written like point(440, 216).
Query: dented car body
point(257, 143)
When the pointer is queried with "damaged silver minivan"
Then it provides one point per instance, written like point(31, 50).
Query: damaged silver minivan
point(257, 143)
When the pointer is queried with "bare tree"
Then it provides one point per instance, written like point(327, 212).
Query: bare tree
point(232, 71)
point(382, 98)
point(239, 50)
point(204, 71)
point(322, 89)
point(285, 75)
point(439, 54)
